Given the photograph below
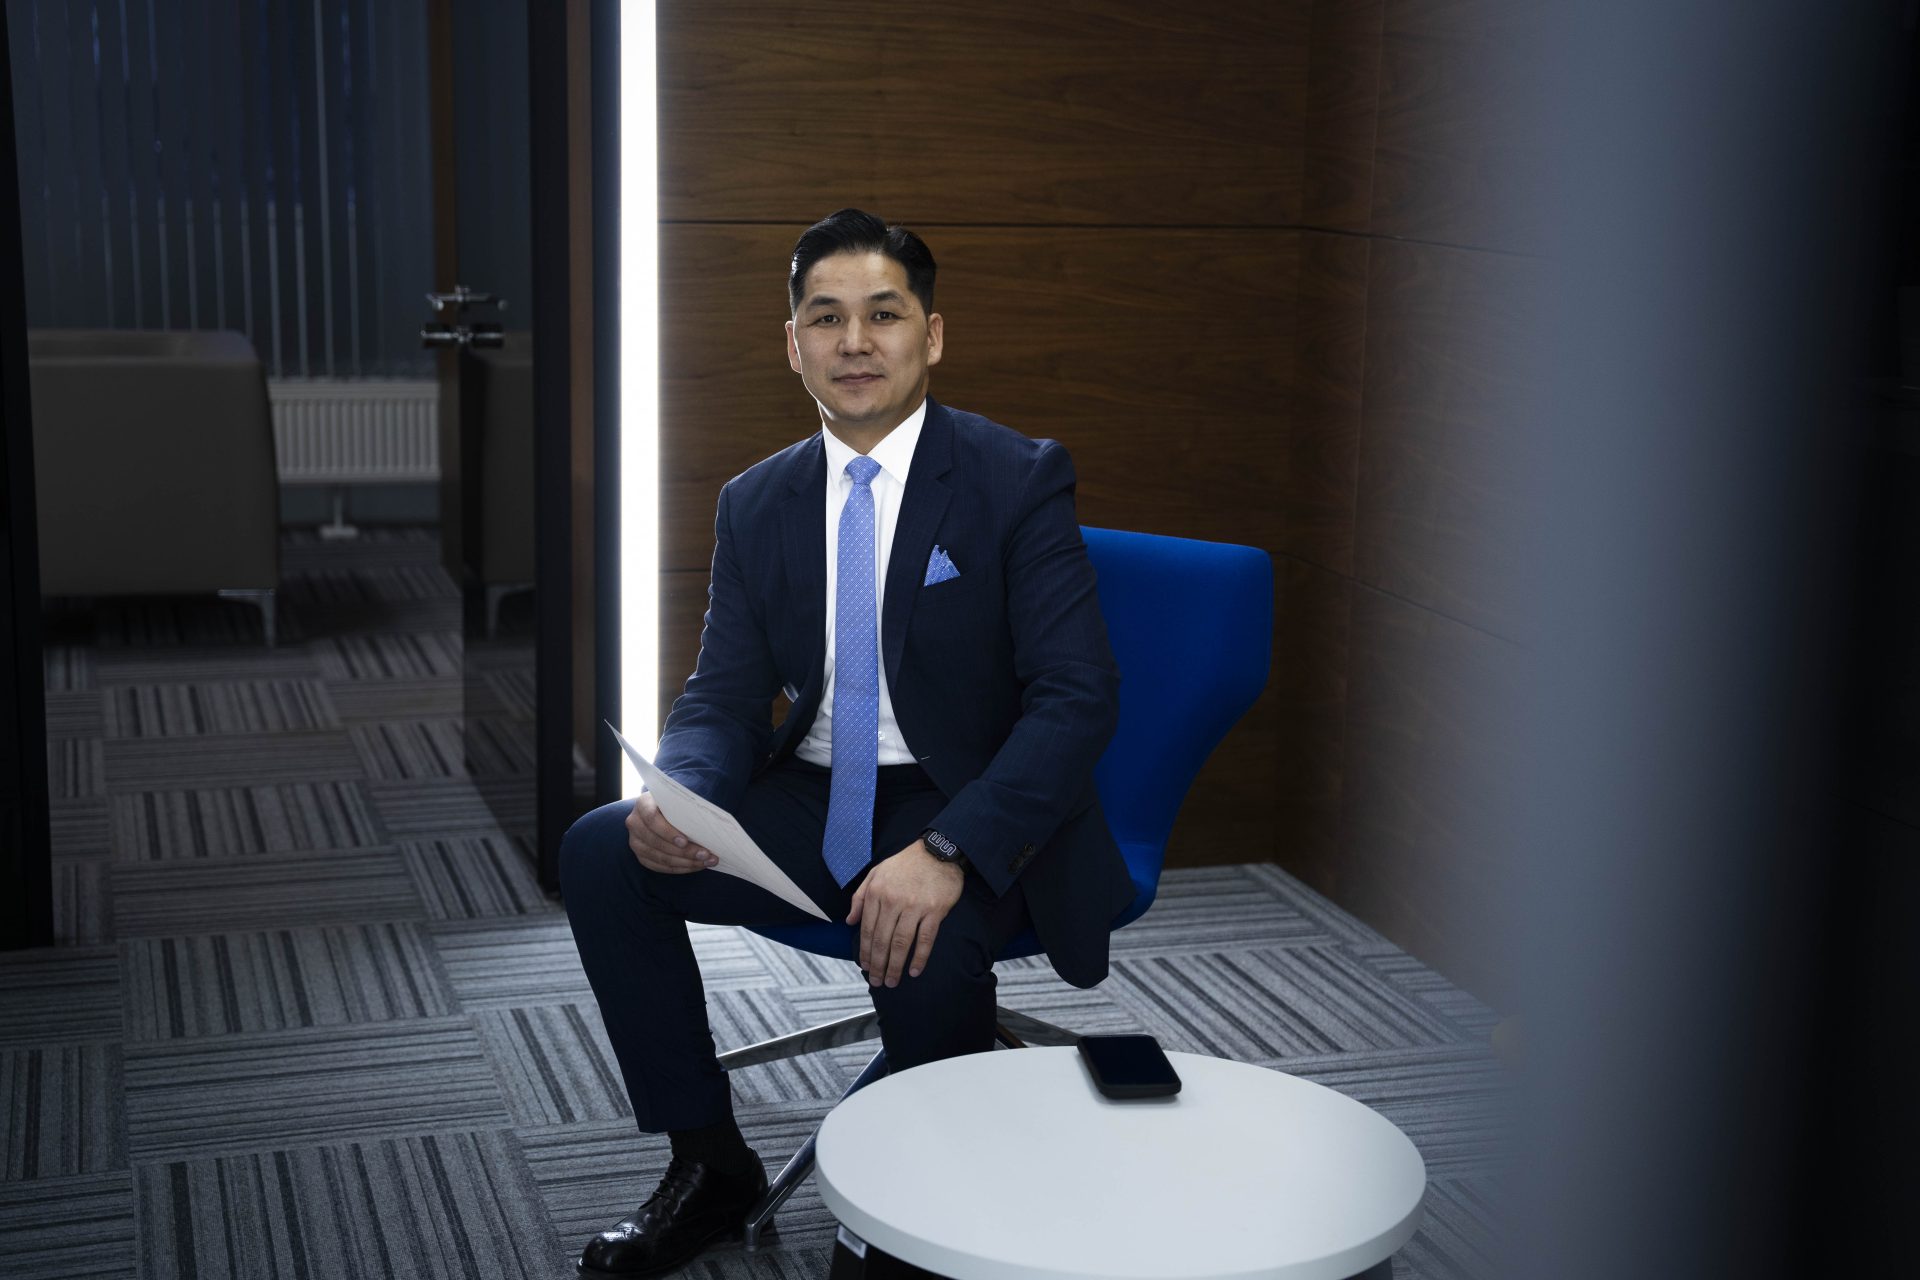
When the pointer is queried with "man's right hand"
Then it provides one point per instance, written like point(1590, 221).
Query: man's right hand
point(659, 845)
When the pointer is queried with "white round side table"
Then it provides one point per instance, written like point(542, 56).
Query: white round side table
point(1009, 1165)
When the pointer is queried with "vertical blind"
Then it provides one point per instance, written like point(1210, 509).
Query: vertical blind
point(259, 165)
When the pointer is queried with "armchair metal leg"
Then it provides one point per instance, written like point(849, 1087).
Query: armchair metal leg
point(801, 1165)
point(1014, 1030)
point(1032, 1030)
point(261, 597)
point(828, 1035)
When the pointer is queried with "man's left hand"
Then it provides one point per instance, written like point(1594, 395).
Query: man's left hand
point(899, 907)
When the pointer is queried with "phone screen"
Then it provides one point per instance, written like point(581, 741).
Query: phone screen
point(1129, 1062)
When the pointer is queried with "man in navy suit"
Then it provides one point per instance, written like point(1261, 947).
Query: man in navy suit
point(914, 579)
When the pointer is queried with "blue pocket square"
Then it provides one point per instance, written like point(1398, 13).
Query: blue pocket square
point(939, 567)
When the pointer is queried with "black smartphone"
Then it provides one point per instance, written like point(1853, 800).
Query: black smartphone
point(1129, 1066)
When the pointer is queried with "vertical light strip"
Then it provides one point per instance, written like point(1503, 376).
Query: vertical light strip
point(639, 513)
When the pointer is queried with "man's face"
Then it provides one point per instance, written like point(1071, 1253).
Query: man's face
point(861, 342)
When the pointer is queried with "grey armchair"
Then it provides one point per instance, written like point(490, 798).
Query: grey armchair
point(154, 465)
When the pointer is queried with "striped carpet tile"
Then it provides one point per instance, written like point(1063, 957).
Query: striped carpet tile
point(444, 1206)
point(745, 1017)
point(68, 667)
point(230, 707)
point(1456, 1103)
point(390, 657)
point(61, 1111)
point(591, 1175)
point(273, 980)
point(1461, 1006)
point(75, 715)
point(1459, 1235)
point(431, 698)
point(308, 1086)
point(727, 961)
point(373, 617)
point(154, 826)
point(437, 806)
point(153, 764)
point(79, 828)
point(402, 751)
point(514, 688)
point(222, 894)
point(192, 666)
point(554, 1064)
point(76, 768)
point(1039, 994)
point(1212, 908)
point(61, 1228)
point(789, 967)
point(54, 996)
point(1296, 894)
point(82, 901)
point(1279, 1002)
point(512, 962)
point(781, 1263)
point(499, 747)
point(370, 584)
point(474, 876)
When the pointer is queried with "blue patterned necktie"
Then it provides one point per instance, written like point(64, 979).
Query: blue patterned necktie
point(856, 684)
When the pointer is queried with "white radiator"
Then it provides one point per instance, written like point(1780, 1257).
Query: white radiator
point(359, 431)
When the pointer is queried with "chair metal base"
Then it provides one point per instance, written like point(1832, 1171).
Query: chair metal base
point(1011, 1030)
point(262, 598)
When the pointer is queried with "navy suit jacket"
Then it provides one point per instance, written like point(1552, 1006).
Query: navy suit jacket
point(1002, 679)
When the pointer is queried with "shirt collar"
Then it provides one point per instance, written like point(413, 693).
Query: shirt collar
point(894, 454)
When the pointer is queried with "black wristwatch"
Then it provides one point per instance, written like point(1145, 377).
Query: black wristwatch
point(944, 849)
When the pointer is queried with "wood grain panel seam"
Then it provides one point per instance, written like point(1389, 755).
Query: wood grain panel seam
point(1509, 641)
point(1125, 226)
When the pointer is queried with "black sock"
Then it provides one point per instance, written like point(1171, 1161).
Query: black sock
point(718, 1146)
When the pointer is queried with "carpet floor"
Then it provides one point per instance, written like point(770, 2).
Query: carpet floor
point(309, 1014)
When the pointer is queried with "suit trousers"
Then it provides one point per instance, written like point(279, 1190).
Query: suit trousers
point(630, 926)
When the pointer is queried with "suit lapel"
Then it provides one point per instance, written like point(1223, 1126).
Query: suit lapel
point(803, 529)
point(921, 507)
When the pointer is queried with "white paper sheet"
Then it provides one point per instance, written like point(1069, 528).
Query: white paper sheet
point(711, 827)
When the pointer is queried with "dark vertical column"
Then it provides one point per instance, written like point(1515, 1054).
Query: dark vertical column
point(26, 852)
point(553, 435)
point(34, 221)
point(606, 386)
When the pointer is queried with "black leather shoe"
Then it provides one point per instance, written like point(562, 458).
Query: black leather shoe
point(693, 1206)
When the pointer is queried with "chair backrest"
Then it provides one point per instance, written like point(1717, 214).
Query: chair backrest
point(1191, 625)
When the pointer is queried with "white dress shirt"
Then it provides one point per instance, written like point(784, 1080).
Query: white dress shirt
point(889, 484)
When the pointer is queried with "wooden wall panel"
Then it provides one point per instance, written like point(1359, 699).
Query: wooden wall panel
point(1309, 689)
point(983, 111)
point(1423, 789)
point(1442, 442)
point(1322, 463)
point(1176, 238)
point(1160, 357)
point(1343, 108)
point(1457, 147)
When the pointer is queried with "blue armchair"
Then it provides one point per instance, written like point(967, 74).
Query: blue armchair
point(1191, 624)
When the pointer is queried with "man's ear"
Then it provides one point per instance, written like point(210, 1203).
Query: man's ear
point(793, 349)
point(936, 338)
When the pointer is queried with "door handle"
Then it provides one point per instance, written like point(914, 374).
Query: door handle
point(460, 335)
point(461, 298)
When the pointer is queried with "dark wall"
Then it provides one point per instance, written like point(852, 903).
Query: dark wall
point(1406, 459)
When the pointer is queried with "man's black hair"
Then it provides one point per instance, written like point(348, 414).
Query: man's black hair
point(852, 231)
